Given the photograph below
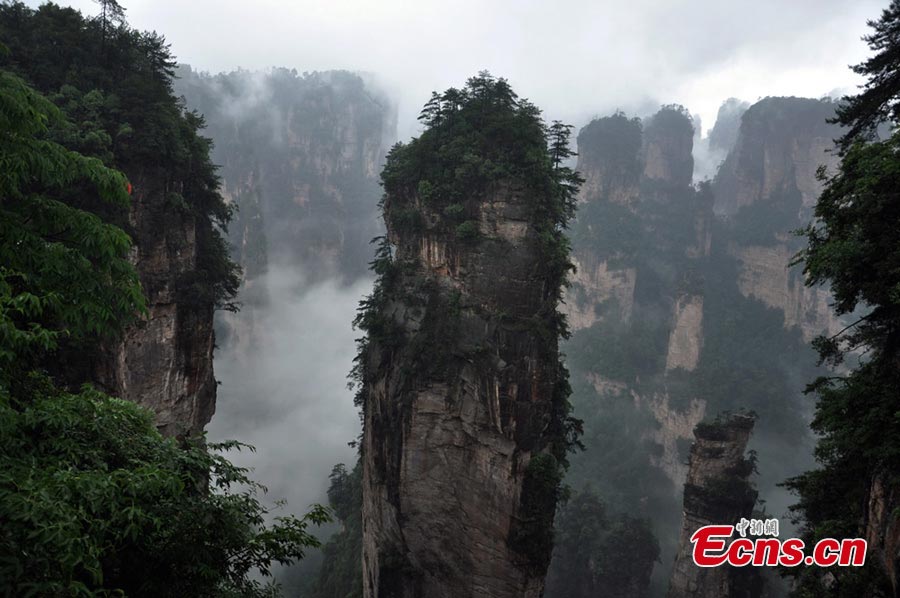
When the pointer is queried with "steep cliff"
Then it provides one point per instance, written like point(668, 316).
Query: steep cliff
point(667, 142)
point(119, 100)
point(767, 186)
point(464, 397)
point(165, 362)
point(674, 321)
point(300, 157)
point(635, 181)
point(717, 491)
point(612, 171)
point(724, 133)
point(780, 145)
point(637, 280)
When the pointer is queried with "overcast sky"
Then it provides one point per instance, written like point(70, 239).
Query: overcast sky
point(574, 58)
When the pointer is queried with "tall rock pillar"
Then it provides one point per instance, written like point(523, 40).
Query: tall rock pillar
point(464, 396)
point(717, 492)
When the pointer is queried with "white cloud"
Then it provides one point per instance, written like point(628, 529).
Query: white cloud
point(574, 58)
point(288, 397)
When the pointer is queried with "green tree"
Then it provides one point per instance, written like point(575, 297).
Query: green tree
point(111, 13)
point(64, 272)
point(854, 245)
point(600, 555)
point(93, 500)
point(558, 136)
point(879, 101)
point(114, 86)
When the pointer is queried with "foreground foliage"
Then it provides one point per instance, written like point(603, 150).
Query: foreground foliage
point(93, 500)
point(113, 84)
point(96, 502)
point(855, 246)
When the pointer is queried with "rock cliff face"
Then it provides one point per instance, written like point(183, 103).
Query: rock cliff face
point(667, 142)
point(165, 362)
point(882, 527)
point(464, 396)
point(768, 186)
point(780, 145)
point(717, 491)
point(603, 285)
point(613, 171)
point(724, 133)
point(678, 312)
point(300, 157)
point(766, 275)
point(627, 168)
point(686, 338)
point(447, 458)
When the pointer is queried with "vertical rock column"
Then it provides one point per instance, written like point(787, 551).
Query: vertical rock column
point(165, 361)
point(464, 397)
point(717, 491)
point(458, 488)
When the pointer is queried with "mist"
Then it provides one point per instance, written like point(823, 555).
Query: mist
point(288, 396)
point(575, 59)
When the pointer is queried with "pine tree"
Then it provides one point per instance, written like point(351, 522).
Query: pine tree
point(111, 14)
point(559, 134)
point(854, 245)
point(879, 101)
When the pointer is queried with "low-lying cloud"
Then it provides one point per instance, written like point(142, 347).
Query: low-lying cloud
point(288, 395)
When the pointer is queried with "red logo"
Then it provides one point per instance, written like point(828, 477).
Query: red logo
point(713, 546)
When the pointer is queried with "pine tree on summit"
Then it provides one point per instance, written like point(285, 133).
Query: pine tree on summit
point(111, 13)
point(558, 135)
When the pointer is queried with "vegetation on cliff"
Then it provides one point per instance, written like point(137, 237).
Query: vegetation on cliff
point(114, 86)
point(598, 553)
point(94, 500)
point(853, 245)
point(477, 140)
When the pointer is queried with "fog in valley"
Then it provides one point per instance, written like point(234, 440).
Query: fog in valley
point(288, 397)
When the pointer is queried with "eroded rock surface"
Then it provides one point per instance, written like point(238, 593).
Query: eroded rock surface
point(717, 492)
point(458, 412)
point(165, 360)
